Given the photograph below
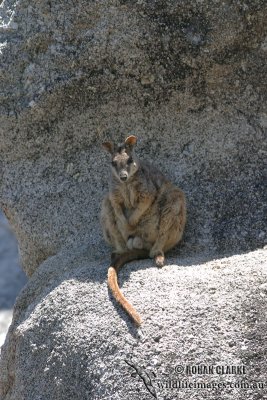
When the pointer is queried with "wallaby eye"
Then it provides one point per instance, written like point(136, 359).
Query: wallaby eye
point(130, 160)
point(114, 163)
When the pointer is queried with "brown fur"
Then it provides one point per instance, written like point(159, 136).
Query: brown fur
point(143, 213)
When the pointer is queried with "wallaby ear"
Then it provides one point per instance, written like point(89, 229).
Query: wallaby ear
point(109, 146)
point(130, 141)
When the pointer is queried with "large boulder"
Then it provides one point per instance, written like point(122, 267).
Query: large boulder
point(69, 341)
point(187, 78)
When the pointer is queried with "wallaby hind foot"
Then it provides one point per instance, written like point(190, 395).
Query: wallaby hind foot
point(159, 260)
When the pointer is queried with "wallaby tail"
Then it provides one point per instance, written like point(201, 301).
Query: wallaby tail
point(117, 263)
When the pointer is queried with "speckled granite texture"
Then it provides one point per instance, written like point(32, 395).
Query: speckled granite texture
point(189, 79)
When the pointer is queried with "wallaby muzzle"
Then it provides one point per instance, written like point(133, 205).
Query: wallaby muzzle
point(123, 176)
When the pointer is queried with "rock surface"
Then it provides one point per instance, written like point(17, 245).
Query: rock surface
point(70, 341)
point(188, 78)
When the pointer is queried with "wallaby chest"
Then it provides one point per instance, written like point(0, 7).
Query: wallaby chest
point(129, 195)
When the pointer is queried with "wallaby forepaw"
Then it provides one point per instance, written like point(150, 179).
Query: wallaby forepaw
point(130, 245)
point(137, 242)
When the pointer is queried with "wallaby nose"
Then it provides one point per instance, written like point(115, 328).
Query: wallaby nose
point(123, 176)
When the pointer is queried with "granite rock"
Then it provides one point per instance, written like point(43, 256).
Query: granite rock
point(188, 78)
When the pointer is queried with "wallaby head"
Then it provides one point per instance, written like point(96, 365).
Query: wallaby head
point(124, 163)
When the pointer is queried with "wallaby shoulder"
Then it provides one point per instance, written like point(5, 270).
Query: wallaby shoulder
point(151, 175)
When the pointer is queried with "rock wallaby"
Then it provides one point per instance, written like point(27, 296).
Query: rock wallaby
point(143, 215)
